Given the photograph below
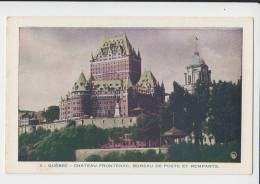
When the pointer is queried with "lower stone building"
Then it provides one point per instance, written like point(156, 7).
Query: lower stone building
point(112, 98)
point(198, 70)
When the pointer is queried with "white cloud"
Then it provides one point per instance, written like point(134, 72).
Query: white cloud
point(52, 58)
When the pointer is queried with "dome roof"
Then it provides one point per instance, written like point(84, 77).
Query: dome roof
point(197, 60)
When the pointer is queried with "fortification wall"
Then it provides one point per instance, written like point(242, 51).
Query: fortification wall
point(52, 126)
point(25, 129)
point(46, 126)
point(104, 123)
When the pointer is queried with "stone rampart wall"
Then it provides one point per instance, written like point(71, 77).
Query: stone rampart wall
point(104, 123)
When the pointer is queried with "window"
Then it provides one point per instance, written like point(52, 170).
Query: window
point(189, 79)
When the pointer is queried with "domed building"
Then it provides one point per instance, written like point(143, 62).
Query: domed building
point(198, 70)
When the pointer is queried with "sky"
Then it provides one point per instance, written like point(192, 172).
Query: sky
point(51, 59)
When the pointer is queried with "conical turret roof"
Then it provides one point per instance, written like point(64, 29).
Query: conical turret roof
point(81, 83)
point(147, 79)
point(82, 78)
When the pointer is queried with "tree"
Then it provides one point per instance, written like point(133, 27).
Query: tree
point(61, 144)
point(27, 141)
point(52, 113)
point(200, 109)
point(225, 111)
point(117, 133)
point(147, 128)
point(181, 104)
point(190, 110)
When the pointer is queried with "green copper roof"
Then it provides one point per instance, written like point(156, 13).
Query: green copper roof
point(147, 80)
point(107, 84)
point(113, 46)
point(117, 41)
point(81, 84)
point(82, 78)
point(112, 84)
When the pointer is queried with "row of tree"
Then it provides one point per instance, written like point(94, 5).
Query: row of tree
point(215, 110)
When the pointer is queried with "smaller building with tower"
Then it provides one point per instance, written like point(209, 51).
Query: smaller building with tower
point(198, 70)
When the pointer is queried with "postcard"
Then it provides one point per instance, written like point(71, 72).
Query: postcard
point(166, 95)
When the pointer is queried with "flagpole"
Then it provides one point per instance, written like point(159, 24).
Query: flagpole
point(196, 44)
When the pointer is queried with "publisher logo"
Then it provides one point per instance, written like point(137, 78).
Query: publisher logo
point(233, 155)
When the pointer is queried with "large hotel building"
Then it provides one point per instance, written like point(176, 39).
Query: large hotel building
point(115, 86)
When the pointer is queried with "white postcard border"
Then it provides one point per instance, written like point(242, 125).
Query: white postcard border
point(12, 58)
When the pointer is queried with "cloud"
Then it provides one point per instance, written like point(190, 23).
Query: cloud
point(52, 58)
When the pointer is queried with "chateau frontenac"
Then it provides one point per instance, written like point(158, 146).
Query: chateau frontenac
point(115, 86)
point(115, 92)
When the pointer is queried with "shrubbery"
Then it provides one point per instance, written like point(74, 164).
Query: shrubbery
point(59, 145)
point(25, 141)
point(176, 153)
point(117, 133)
point(128, 156)
point(203, 153)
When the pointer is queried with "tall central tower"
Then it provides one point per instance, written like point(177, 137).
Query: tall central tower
point(115, 87)
point(116, 59)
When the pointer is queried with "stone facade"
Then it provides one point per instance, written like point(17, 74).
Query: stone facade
point(115, 87)
point(104, 123)
point(77, 102)
point(116, 59)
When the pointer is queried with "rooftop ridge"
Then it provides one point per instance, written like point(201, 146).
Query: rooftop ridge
point(112, 45)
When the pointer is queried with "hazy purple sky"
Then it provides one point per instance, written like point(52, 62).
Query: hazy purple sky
point(51, 59)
